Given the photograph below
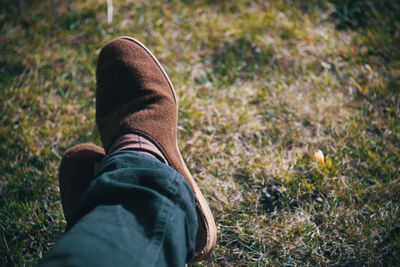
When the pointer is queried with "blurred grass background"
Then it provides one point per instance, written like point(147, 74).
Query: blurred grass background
point(262, 86)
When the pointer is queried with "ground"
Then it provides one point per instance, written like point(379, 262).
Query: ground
point(262, 87)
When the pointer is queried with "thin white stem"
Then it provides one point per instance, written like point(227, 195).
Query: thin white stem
point(109, 11)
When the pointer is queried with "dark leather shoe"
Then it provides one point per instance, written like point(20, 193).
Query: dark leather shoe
point(135, 95)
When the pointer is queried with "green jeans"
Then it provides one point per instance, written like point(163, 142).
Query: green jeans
point(136, 212)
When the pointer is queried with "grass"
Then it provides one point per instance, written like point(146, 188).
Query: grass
point(262, 85)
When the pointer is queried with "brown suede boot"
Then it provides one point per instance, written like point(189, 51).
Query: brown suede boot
point(135, 96)
point(77, 170)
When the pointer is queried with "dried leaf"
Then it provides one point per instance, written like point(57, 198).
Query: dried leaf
point(325, 65)
point(319, 156)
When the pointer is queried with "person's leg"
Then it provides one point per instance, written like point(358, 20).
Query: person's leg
point(136, 212)
point(141, 209)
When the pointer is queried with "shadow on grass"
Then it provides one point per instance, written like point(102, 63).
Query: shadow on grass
point(362, 14)
point(8, 70)
point(376, 42)
point(239, 59)
point(379, 17)
point(355, 13)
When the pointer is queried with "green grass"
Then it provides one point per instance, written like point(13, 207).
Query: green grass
point(262, 85)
